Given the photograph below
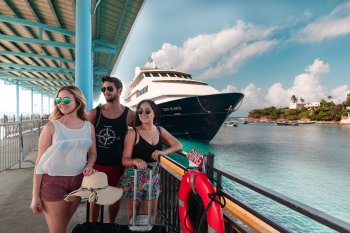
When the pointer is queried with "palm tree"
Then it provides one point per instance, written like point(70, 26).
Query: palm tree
point(330, 98)
point(293, 99)
point(302, 100)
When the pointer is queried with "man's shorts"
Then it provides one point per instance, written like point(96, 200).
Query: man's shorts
point(56, 188)
point(113, 173)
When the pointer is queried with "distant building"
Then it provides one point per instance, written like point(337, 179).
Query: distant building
point(296, 105)
point(299, 105)
point(312, 105)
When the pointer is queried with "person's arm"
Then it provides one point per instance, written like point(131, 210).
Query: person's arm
point(92, 115)
point(169, 140)
point(130, 118)
point(92, 154)
point(45, 141)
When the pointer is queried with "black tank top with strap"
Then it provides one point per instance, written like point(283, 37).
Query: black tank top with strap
point(110, 135)
point(143, 150)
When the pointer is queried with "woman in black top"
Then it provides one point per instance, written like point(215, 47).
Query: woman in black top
point(143, 145)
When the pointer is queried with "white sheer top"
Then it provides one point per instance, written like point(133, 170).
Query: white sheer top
point(67, 155)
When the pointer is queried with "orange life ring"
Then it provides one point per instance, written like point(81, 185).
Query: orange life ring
point(199, 181)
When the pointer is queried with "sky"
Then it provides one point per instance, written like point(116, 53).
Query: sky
point(268, 50)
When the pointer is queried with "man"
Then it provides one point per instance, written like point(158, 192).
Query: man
point(111, 122)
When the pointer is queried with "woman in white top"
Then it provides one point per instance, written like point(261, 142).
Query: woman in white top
point(62, 161)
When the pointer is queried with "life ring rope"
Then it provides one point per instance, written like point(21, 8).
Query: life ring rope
point(200, 185)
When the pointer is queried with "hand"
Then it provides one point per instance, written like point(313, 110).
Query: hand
point(156, 154)
point(140, 164)
point(88, 171)
point(36, 205)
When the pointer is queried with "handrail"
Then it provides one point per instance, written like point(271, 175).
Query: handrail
point(248, 215)
point(297, 206)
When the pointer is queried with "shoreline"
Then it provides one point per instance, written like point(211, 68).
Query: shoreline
point(265, 120)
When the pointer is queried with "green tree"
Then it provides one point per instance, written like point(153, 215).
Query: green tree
point(293, 99)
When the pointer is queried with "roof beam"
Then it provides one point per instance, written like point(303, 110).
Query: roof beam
point(30, 32)
point(36, 55)
point(54, 10)
point(36, 41)
point(22, 78)
point(37, 70)
point(25, 40)
point(104, 43)
point(29, 23)
point(30, 67)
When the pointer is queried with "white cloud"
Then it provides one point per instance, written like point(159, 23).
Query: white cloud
point(230, 88)
point(218, 53)
point(306, 85)
point(337, 23)
point(277, 95)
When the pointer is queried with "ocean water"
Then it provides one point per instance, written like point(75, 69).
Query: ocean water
point(309, 163)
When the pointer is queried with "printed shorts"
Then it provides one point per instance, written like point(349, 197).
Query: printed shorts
point(113, 173)
point(127, 183)
point(56, 188)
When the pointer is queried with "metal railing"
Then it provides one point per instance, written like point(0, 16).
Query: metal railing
point(17, 139)
point(167, 207)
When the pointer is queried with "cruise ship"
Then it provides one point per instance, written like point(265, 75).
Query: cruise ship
point(189, 108)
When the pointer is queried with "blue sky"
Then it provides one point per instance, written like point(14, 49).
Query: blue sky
point(269, 50)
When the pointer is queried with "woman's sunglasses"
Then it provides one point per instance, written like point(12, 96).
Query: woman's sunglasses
point(109, 88)
point(140, 111)
point(66, 100)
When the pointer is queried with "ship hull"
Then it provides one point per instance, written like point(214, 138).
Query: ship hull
point(199, 117)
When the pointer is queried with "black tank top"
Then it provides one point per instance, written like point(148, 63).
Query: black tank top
point(110, 135)
point(143, 150)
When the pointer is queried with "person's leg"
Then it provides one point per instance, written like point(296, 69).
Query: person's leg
point(56, 216)
point(154, 203)
point(72, 207)
point(94, 212)
point(129, 207)
point(113, 211)
point(113, 173)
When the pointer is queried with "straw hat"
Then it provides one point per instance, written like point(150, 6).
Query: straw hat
point(95, 188)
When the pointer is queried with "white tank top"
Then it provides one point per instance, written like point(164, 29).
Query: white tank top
point(67, 155)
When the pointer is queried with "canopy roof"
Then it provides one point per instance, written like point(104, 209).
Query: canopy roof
point(37, 40)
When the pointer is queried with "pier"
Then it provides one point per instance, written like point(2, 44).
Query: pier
point(18, 151)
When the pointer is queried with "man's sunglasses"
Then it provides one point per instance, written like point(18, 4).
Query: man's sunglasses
point(140, 111)
point(66, 100)
point(109, 88)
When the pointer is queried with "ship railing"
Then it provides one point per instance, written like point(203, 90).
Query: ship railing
point(16, 140)
point(238, 215)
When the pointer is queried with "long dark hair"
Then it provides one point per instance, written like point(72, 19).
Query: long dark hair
point(155, 109)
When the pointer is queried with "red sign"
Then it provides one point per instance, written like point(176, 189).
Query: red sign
point(195, 157)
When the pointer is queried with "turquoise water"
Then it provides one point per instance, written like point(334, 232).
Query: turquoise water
point(309, 163)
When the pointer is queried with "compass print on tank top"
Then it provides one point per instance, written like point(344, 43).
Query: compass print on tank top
point(106, 137)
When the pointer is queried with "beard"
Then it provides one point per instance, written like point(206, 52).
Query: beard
point(112, 99)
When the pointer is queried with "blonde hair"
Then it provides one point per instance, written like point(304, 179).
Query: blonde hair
point(79, 100)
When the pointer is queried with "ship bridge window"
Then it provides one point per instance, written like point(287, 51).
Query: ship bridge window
point(171, 74)
point(147, 74)
point(155, 74)
point(142, 91)
point(163, 74)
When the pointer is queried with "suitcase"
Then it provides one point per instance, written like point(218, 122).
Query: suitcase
point(95, 227)
point(141, 222)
